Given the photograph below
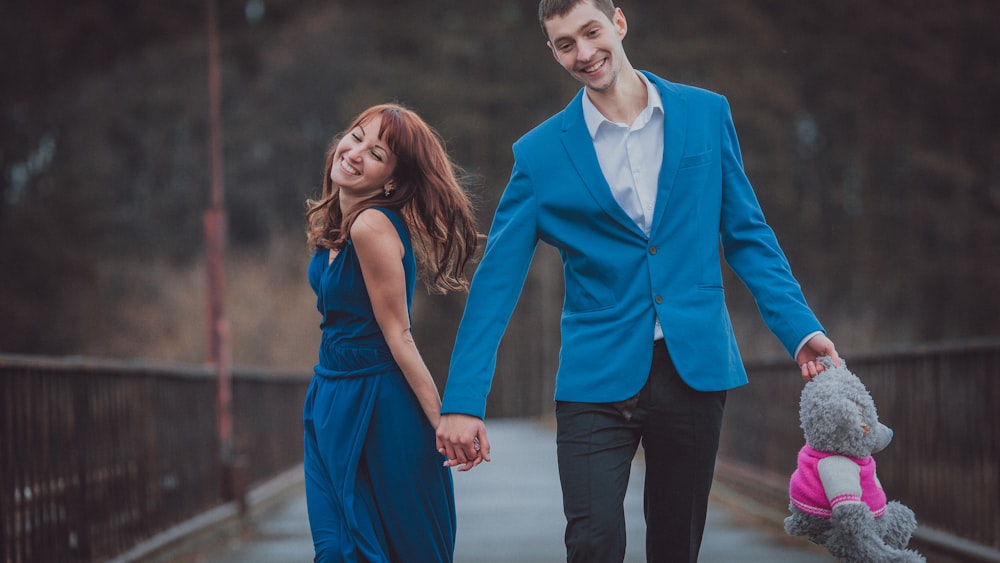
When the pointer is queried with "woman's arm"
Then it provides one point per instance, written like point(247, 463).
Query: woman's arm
point(380, 252)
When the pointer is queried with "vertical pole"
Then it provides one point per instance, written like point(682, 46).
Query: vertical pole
point(215, 242)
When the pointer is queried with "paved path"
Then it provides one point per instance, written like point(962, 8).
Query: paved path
point(510, 510)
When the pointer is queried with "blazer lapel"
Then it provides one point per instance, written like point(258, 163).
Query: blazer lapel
point(580, 148)
point(675, 117)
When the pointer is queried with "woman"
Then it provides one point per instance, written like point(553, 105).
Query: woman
point(376, 488)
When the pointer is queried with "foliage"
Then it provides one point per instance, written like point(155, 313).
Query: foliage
point(868, 130)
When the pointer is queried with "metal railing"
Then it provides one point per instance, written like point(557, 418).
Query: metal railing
point(98, 456)
point(944, 461)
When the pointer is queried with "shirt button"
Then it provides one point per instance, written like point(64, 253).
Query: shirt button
point(659, 300)
point(652, 250)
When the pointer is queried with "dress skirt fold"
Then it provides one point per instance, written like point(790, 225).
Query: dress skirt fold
point(376, 489)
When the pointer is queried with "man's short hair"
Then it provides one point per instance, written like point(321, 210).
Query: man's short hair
point(548, 9)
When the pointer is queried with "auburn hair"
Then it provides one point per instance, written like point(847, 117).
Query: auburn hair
point(427, 193)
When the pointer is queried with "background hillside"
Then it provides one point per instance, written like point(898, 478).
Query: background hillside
point(870, 131)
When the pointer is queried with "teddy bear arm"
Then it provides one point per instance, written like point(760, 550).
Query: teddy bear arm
point(841, 479)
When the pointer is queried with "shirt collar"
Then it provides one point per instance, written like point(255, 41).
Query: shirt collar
point(594, 118)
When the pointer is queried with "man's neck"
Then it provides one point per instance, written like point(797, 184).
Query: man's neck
point(624, 101)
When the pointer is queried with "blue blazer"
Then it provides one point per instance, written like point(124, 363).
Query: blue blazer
point(618, 280)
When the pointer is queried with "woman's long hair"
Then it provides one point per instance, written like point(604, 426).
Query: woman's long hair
point(427, 193)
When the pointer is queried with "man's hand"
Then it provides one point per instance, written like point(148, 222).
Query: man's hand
point(817, 346)
point(462, 439)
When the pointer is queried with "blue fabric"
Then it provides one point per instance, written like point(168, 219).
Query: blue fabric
point(376, 489)
point(618, 279)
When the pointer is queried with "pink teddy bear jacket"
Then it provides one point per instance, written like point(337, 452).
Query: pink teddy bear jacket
point(808, 494)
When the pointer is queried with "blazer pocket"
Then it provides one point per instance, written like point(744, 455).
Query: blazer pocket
point(696, 159)
point(579, 300)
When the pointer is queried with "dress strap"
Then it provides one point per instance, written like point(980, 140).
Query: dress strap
point(397, 221)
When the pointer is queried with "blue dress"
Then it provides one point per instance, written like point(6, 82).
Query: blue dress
point(376, 489)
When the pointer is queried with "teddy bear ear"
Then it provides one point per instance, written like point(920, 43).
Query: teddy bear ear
point(827, 362)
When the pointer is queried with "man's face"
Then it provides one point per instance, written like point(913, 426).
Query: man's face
point(588, 45)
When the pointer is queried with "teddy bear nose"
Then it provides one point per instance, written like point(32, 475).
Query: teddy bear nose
point(885, 431)
point(883, 435)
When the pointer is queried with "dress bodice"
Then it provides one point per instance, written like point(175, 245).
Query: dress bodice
point(342, 297)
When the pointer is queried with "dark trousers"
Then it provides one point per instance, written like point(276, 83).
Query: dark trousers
point(678, 428)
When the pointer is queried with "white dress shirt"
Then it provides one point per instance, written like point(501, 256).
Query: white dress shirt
point(630, 154)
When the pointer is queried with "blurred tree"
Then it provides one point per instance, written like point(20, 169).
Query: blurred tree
point(868, 131)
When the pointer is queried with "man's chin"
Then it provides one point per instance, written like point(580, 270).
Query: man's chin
point(599, 86)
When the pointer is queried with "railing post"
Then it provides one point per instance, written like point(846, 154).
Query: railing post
point(236, 480)
point(233, 478)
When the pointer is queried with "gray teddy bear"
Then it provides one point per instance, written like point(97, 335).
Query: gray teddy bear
point(836, 498)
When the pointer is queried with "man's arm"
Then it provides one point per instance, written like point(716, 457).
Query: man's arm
point(495, 290)
point(752, 251)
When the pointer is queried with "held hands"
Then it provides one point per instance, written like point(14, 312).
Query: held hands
point(462, 439)
point(817, 346)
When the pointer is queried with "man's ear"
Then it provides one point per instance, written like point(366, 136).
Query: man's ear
point(620, 23)
point(552, 50)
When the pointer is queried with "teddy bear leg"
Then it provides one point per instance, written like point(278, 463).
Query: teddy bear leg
point(802, 524)
point(897, 524)
point(857, 539)
point(795, 525)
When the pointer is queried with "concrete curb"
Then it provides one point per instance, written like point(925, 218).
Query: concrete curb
point(215, 525)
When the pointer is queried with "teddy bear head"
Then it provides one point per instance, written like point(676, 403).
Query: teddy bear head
point(838, 414)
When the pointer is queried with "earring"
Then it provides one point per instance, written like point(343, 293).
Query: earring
point(388, 189)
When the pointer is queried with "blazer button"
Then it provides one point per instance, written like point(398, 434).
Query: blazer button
point(652, 250)
point(659, 299)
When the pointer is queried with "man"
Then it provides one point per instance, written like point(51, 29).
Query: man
point(635, 182)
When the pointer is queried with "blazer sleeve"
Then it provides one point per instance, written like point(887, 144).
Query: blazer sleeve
point(751, 249)
point(495, 290)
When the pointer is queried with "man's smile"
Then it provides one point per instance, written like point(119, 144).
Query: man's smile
point(594, 67)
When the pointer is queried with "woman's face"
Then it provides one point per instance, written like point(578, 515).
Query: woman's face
point(362, 162)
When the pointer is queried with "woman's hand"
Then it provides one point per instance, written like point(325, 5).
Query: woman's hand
point(462, 439)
